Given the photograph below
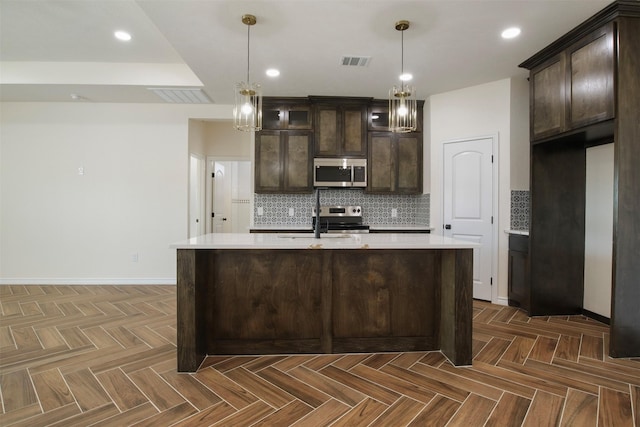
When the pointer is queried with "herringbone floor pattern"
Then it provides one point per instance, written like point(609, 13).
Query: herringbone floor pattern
point(105, 356)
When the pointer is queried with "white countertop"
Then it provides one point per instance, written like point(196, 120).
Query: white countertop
point(327, 241)
point(519, 232)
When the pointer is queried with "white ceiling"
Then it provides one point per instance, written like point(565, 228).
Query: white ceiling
point(50, 49)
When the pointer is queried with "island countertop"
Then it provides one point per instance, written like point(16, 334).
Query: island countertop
point(326, 241)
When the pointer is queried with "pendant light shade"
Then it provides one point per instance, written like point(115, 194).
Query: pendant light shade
point(247, 112)
point(403, 112)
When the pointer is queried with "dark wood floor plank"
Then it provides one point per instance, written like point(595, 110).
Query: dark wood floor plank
point(458, 380)
point(332, 388)
point(293, 386)
point(192, 389)
point(265, 390)
point(475, 410)
point(401, 413)
point(568, 348)
point(286, 415)
point(545, 410)
point(580, 409)
point(323, 415)
point(161, 394)
point(544, 349)
point(228, 390)
point(519, 350)
point(545, 362)
point(493, 351)
point(122, 390)
point(362, 385)
point(426, 382)
point(437, 413)
point(361, 415)
point(511, 410)
point(394, 383)
point(52, 390)
point(614, 409)
point(592, 347)
point(17, 390)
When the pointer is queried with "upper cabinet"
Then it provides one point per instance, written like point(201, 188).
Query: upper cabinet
point(340, 126)
point(575, 87)
point(395, 163)
point(283, 162)
point(286, 113)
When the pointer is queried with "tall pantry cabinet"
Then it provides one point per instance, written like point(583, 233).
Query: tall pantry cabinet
point(585, 91)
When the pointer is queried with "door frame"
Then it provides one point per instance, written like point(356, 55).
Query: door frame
point(210, 162)
point(200, 178)
point(495, 205)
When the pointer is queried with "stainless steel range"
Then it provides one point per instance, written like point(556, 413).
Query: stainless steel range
point(340, 219)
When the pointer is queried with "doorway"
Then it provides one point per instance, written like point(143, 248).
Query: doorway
point(469, 189)
point(229, 189)
point(196, 195)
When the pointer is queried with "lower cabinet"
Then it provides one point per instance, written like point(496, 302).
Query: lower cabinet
point(284, 162)
point(519, 292)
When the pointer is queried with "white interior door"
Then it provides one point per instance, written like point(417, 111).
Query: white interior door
point(220, 219)
point(468, 204)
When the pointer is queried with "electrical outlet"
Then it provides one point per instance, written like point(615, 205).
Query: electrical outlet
point(291, 212)
point(394, 213)
point(260, 211)
point(134, 257)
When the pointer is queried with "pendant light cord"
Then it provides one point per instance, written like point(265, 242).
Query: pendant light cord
point(248, 46)
point(402, 59)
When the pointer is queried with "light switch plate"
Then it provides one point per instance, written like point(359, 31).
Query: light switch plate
point(291, 212)
point(260, 211)
point(394, 213)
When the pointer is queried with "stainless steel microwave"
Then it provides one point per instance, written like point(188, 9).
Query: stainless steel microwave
point(343, 173)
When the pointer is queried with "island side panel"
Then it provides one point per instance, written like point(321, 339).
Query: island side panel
point(457, 305)
point(264, 301)
point(190, 354)
point(385, 300)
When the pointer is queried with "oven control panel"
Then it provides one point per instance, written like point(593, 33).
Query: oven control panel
point(338, 211)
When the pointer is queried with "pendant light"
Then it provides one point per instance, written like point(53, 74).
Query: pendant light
point(247, 112)
point(402, 98)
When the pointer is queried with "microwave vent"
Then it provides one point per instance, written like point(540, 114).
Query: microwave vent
point(355, 61)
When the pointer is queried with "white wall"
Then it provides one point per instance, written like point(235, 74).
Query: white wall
point(61, 227)
point(477, 111)
point(520, 147)
point(598, 230)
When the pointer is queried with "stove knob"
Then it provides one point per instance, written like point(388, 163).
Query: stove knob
point(353, 210)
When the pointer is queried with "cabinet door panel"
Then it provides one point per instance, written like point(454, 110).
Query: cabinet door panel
point(269, 166)
point(409, 164)
point(327, 132)
point(548, 99)
point(380, 163)
point(298, 165)
point(592, 68)
point(354, 132)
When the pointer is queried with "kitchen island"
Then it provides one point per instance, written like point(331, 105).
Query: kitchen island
point(292, 293)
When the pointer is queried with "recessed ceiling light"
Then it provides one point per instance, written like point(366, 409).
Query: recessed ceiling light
point(510, 33)
point(406, 77)
point(122, 35)
point(272, 72)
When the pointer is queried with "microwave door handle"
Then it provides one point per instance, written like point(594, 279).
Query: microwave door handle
point(353, 177)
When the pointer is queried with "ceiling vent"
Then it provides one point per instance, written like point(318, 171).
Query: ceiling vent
point(355, 61)
point(181, 96)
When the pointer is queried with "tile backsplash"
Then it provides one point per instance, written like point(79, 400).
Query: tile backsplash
point(520, 209)
point(413, 210)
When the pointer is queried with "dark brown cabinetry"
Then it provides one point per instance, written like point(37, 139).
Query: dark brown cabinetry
point(519, 271)
point(340, 126)
point(601, 96)
point(395, 163)
point(283, 161)
point(286, 113)
point(574, 88)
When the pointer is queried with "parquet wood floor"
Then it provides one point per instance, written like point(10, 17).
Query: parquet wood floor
point(106, 356)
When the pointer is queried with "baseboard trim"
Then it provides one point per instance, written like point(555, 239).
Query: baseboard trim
point(501, 301)
point(88, 281)
point(596, 316)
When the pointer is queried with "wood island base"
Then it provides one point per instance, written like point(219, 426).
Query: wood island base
point(283, 301)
